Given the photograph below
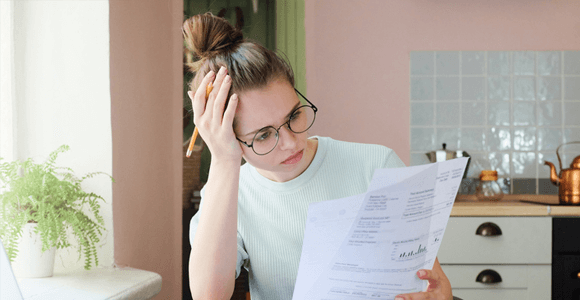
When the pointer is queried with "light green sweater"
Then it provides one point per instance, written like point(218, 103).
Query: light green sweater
point(272, 215)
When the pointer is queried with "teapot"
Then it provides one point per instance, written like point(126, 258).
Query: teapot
point(444, 154)
point(569, 180)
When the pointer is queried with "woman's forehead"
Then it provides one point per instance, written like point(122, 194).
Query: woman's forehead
point(267, 106)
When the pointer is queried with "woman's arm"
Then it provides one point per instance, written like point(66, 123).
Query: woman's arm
point(213, 255)
point(212, 261)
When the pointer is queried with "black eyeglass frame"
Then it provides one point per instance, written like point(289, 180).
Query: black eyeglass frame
point(314, 108)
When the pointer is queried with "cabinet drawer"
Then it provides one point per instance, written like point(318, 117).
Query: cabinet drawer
point(523, 281)
point(523, 240)
point(475, 294)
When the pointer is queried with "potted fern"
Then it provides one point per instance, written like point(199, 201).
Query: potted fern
point(43, 202)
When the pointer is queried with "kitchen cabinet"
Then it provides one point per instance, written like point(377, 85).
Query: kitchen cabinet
point(512, 264)
point(507, 249)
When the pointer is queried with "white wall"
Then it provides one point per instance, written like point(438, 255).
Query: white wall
point(63, 97)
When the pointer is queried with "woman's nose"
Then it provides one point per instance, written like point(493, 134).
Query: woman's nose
point(287, 139)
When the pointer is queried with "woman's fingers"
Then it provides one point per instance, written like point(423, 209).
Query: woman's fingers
point(230, 110)
point(429, 275)
point(418, 296)
point(198, 100)
point(217, 84)
point(221, 98)
point(433, 292)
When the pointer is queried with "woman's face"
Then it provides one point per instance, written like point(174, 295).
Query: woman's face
point(271, 106)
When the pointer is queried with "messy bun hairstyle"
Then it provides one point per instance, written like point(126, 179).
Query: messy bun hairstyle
point(212, 42)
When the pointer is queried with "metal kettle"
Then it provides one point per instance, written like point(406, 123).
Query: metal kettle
point(444, 154)
point(569, 179)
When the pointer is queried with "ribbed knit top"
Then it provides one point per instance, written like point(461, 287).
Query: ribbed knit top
point(272, 215)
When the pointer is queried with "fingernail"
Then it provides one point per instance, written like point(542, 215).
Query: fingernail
point(422, 273)
point(222, 69)
point(399, 298)
point(228, 78)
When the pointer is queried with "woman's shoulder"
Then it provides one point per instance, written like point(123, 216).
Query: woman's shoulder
point(338, 145)
point(362, 152)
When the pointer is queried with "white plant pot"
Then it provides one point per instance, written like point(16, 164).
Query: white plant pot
point(31, 262)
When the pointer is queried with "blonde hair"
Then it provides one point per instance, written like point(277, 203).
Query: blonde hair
point(212, 42)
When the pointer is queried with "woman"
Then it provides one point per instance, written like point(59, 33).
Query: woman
point(254, 215)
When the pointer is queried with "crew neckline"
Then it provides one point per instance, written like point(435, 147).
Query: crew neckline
point(302, 178)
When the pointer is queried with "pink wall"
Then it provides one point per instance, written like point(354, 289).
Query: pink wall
point(357, 53)
point(146, 108)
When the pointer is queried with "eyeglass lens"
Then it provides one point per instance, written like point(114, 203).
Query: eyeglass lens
point(266, 139)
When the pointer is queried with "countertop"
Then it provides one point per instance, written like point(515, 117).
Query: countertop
point(512, 206)
point(96, 284)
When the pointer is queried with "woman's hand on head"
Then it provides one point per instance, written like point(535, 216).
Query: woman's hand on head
point(213, 120)
point(439, 287)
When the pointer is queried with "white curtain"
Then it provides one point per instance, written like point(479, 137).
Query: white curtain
point(7, 97)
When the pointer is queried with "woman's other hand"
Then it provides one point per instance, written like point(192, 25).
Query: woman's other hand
point(213, 120)
point(439, 287)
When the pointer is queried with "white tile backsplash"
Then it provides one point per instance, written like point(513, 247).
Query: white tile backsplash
point(549, 139)
point(572, 113)
point(472, 62)
point(571, 62)
point(500, 162)
point(524, 63)
point(524, 88)
point(524, 114)
point(472, 113)
point(572, 88)
point(550, 113)
point(571, 134)
point(474, 138)
point(524, 139)
point(422, 63)
point(549, 88)
point(422, 113)
point(498, 113)
point(449, 136)
point(509, 109)
point(473, 88)
point(447, 88)
point(549, 63)
point(447, 113)
point(447, 63)
point(422, 88)
point(499, 139)
point(423, 139)
point(498, 63)
point(524, 164)
point(498, 88)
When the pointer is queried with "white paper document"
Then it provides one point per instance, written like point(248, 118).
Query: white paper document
point(370, 246)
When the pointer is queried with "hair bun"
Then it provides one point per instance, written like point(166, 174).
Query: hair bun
point(206, 36)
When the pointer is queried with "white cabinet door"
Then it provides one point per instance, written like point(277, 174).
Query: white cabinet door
point(523, 240)
point(517, 282)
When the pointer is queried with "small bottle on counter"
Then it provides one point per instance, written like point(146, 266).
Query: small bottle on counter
point(488, 188)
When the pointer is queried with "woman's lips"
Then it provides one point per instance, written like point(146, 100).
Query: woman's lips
point(294, 158)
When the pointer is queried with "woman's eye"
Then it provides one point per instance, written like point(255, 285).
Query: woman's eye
point(295, 115)
point(263, 136)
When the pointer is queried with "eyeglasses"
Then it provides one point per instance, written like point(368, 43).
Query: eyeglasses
point(301, 119)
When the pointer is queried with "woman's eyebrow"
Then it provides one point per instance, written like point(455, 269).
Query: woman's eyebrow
point(286, 118)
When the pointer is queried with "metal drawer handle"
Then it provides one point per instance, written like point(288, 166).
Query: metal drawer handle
point(488, 277)
point(488, 229)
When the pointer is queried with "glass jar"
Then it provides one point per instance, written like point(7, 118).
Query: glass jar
point(488, 188)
